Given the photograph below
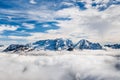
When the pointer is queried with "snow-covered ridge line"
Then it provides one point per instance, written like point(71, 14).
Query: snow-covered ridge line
point(57, 45)
point(54, 45)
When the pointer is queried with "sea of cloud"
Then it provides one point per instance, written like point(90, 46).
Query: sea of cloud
point(76, 65)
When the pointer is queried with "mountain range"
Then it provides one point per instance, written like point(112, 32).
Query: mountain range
point(58, 45)
point(113, 46)
point(54, 45)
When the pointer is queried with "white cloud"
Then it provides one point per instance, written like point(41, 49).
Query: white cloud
point(29, 26)
point(33, 2)
point(42, 15)
point(46, 25)
point(89, 24)
point(96, 1)
point(38, 36)
point(67, 3)
point(8, 27)
point(95, 25)
point(64, 65)
point(17, 37)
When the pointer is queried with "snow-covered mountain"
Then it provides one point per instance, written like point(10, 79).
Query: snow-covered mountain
point(48, 44)
point(16, 47)
point(113, 46)
point(53, 44)
point(1, 45)
point(85, 44)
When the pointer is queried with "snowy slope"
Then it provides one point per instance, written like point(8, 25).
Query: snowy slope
point(85, 44)
point(54, 45)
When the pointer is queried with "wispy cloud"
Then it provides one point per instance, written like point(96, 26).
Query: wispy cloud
point(8, 28)
point(28, 26)
point(73, 22)
point(94, 24)
point(33, 2)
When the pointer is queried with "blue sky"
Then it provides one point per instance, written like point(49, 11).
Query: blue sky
point(30, 20)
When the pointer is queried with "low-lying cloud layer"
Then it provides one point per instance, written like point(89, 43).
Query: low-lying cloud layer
point(89, 65)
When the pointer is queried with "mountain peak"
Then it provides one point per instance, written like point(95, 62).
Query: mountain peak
point(85, 44)
point(54, 45)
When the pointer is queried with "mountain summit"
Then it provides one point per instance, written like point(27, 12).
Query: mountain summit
point(54, 45)
point(48, 44)
point(85, 44)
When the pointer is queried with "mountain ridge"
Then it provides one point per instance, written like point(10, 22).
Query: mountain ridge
point(54, 45)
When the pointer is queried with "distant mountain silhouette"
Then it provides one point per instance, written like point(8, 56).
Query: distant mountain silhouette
point(113, 46)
